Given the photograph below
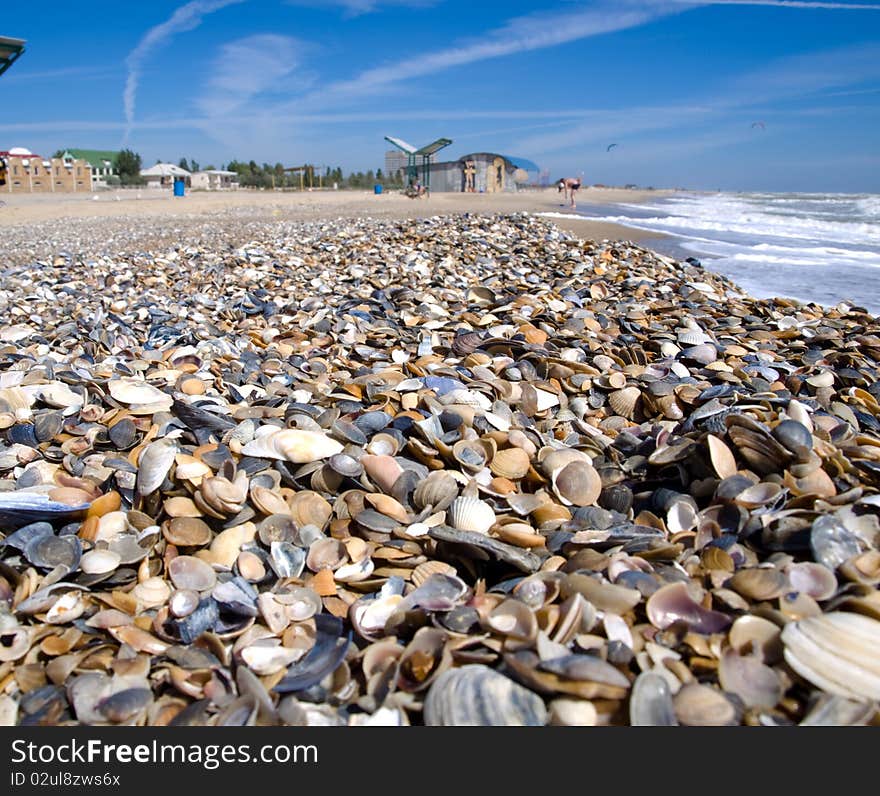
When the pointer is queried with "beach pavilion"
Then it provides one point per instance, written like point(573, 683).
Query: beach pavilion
point(10, 51)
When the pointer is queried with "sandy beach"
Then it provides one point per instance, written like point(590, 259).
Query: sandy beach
point(23, 209)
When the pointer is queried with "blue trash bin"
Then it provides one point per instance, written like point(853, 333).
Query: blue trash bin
point(377, 188)
point(179, 186)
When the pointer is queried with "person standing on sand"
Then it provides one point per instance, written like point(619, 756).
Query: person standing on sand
point(570, 185)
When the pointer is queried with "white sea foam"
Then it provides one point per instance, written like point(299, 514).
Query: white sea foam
point(820, 245)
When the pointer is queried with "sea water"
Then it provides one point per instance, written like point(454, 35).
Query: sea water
point(812, 247)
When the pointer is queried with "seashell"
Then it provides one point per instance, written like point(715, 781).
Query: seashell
point(187, 572)
point(824, 378)
point(756, 684)
point(66, 608)
point(794, 437)
point(268, 502)
point(758, 495)
point(604, 596)
point(125, 705)
point(48, 552)
point(837, 652)
point(16, 641)
point(672, 603)
point(383, 444)
point(154, 464)
point(520, 534)
point(309, 508)
point(322, 659)
point(99, 562)
point(152, 593)
point(650, 702)
point(293, 445)
point(589, 669)
point(512, 463)
point(754, 634)
point(286, 560)
point(759, 583)
point(326, 554)
point(267, 657)
point(250, 566)
point(476, 696)
point(831, 542)
point(183, 602)
point(565, 712)
point(424, 571)
point(423, 659)
point(383, 471)
point(473, 455)
point(835, 711)
point(369, 617)
point(471, 514)
point(625, 402)
point(187, 532)
point(723, 460)
point(21, 508)
point(863, 568)
point(137, 391)
point(699, 705)
point(354, 572)
point(388, 506)
point(577, 484)
point(346, 465)
point(514, 619)
point(814, 579)
point(438, 490)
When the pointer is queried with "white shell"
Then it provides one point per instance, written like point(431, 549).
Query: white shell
point(293, 445)
point(838, 652)
point(97, 562)
point(471, 514)
point(136, 391)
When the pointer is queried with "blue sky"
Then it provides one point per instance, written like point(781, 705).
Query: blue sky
point(676, 84)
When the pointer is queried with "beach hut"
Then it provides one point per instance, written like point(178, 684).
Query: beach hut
point(483, 172)
point(214, 180)
point(163, 175)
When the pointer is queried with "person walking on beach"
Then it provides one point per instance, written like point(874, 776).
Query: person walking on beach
point(570, 185)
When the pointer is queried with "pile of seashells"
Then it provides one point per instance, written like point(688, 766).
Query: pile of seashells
point(449, 471)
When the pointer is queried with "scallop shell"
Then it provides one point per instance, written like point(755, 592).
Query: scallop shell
point(439, 489)
point(625, 402)
point(293, 445)
point(471, 514)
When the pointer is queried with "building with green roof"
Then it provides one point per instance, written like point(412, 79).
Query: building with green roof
point(103, 162)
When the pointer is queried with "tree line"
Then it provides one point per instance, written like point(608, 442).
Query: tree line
point(128, 165)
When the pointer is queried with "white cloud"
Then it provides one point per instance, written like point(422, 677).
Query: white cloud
point(786, 4)
point(521, 34)
point(248, 67)
point(186, 17)
point(354, 8)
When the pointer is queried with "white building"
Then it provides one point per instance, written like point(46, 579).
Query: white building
point(215, 180)
point(162, 175)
